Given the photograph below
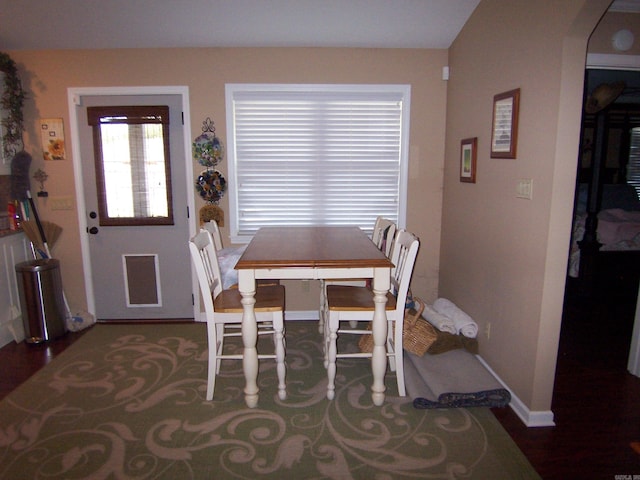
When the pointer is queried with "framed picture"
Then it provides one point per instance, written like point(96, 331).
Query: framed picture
point(504, 131)
point(468, 158)
point(52, 134)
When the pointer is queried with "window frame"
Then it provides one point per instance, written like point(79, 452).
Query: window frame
point(402, 90)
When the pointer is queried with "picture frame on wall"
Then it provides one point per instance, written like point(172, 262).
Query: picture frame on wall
point(468, 159)
point(52, 135)
point(504, 130)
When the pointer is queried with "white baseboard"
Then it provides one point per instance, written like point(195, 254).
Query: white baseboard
point(11, 330)
point(5, 336)
point(529, 418)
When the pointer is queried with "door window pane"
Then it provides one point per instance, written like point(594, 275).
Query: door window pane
point(132, 164)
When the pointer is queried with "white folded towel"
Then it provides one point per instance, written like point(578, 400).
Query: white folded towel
point(441, 322)
point(464, 324)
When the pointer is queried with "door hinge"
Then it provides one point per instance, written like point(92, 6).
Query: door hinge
point(188, 213)
point(182, 114)
point(193, 300)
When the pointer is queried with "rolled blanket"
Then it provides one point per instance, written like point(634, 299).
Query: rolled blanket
point(463, 323)
point(452, 380)
point(441, 322)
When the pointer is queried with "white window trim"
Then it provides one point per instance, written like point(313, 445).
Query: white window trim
point(231, 89)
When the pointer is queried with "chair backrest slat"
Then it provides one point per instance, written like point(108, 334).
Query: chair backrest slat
point(384, 232)
point(212, 227)
point(205, 262)
point(403, 257)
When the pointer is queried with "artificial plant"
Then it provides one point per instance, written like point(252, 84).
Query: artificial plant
point(11, 102)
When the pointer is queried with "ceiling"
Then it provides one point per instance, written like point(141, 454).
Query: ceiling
point(91, 24)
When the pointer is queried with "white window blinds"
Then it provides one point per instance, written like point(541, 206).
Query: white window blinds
point(633, 167)
point(316, 155)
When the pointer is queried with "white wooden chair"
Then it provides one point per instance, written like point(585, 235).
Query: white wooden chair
point(228, 257)
point(384, 231)
point(349, 303)
point(223, 312)
point(212, 227)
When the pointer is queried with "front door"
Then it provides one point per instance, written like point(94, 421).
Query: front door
point(137, 271)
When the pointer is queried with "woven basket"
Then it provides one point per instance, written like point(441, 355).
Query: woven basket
point(418, 334)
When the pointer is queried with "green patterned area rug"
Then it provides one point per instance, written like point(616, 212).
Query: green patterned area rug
point(127, 402)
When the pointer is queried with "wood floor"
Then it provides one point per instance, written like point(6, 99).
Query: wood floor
point(596, 401)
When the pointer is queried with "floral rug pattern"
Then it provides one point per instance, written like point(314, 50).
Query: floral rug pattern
point(127, 402)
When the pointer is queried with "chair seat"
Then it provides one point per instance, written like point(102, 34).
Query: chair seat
point(269, 298)
point(349, 298)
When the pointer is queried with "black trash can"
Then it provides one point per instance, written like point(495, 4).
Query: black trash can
point(41, 299)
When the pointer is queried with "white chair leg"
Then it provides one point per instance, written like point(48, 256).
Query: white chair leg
point(281, 368)
point(392, 341)
point(399, 361)
point(326, 338)
point(397, 358)
point(219, 345)
point(212, 366)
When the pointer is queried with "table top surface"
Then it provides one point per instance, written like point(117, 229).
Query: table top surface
point(311, 247)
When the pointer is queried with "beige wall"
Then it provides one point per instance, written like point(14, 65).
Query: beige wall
point(503, 259)
point(47, 75)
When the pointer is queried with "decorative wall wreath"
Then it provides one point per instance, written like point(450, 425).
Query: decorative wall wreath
point(211, 185)
point(12, 101)
point(208, 150)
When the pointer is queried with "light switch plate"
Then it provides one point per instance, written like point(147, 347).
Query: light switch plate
point(61, 203)
point(524, 189)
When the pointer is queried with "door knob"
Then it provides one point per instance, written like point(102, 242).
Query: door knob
point(93, 230)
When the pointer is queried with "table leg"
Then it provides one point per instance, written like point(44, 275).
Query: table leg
point(330, 338)
point(381, 285)
point(323, 303)
point(247, 286)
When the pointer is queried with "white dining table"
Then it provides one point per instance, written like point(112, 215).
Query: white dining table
point(312, 253)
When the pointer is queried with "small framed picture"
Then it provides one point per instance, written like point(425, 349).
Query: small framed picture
point(52, 132)
point(504, 131)
point(468, 159)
